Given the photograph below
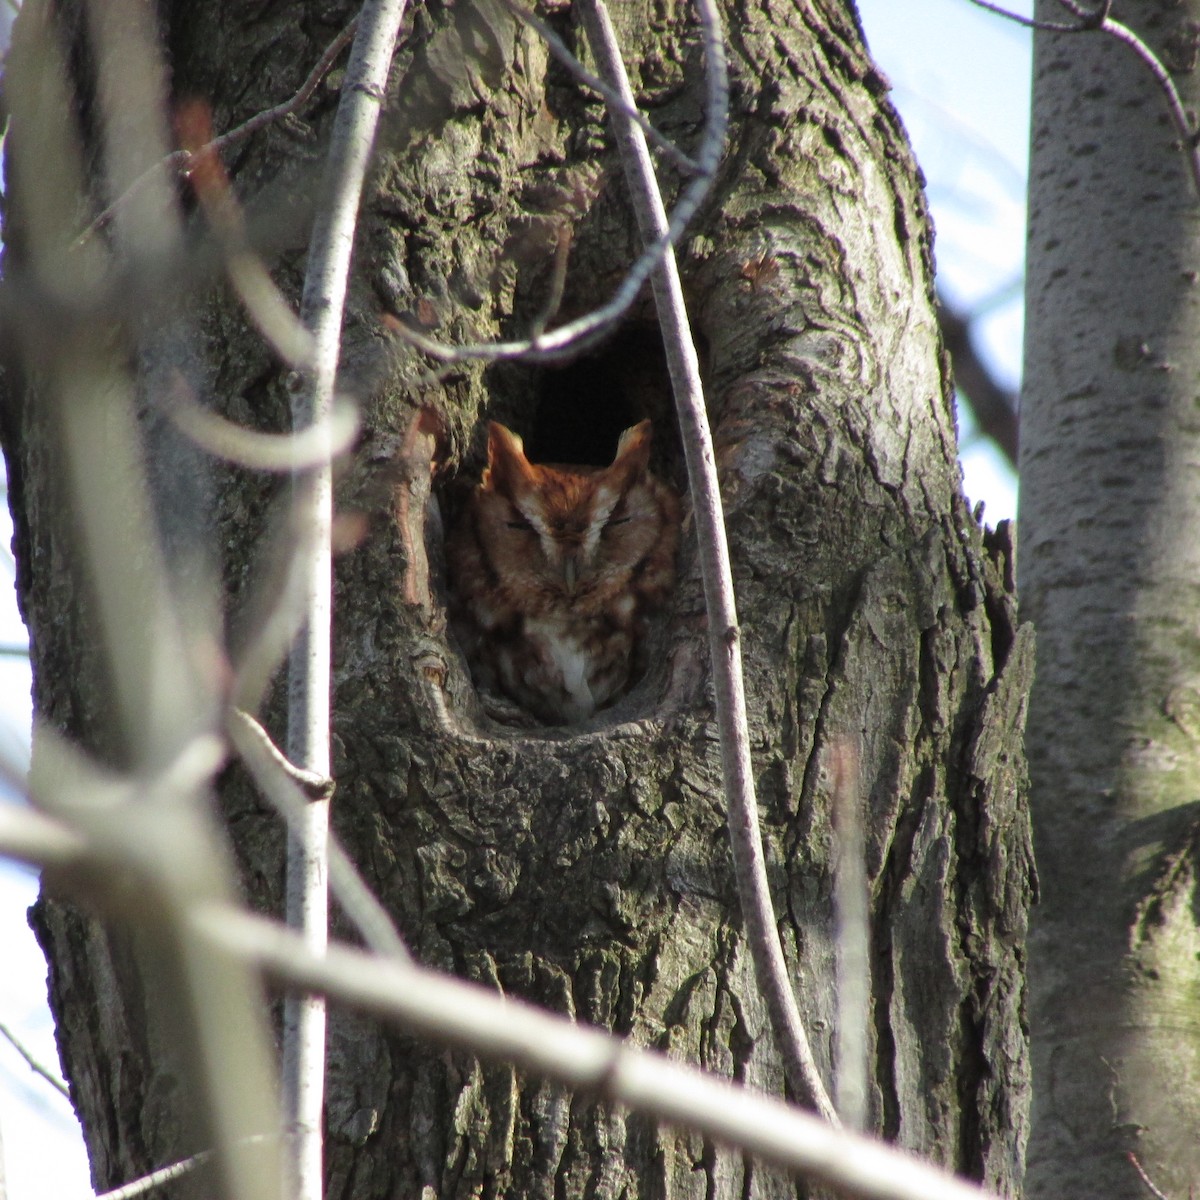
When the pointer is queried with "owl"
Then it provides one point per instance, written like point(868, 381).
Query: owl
point(555, 571)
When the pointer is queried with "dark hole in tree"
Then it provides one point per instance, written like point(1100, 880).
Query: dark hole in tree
point(583, 408)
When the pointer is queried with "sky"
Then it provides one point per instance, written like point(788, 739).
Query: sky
point(960, 79)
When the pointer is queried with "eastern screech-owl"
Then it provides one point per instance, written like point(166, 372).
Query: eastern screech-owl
point(555, 571)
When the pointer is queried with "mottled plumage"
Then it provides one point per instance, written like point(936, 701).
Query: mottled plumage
point(555, 571)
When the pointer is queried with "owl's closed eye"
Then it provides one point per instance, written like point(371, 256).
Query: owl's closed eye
point(555, 571)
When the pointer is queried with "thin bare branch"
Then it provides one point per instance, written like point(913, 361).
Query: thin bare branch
point(470, 1017)
point(1099, 20)
point(724, 636)
point(131, 99)
point(307, 784)
point(1155, 1191)
point(34, 1064)
point(181, 160)
point(1029, 22)
point(304, 450)
point(1091, 18)
point(156, 1179)
point(1187, 133)
point(302, 96)
point(267, 308)
point(309, 666)
point(585, 331)
point(288, 791)
point(168, 1174)
point(29, 837)
point(559, 49)
point(558, 280)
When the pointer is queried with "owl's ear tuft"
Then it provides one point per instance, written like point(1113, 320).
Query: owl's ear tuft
point(508, 469)
point(633, 450)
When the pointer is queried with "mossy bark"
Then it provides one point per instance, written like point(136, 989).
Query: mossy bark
point(588, 870)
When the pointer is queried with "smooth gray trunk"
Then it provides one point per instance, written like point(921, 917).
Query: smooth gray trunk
point(1110, 576)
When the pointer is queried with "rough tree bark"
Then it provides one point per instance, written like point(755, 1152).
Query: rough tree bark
point(1109, 567)
point(588, 870)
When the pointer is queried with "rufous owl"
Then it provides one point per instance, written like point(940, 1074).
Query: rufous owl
point(555, 571)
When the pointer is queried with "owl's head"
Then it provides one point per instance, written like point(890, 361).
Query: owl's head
point(565, 530)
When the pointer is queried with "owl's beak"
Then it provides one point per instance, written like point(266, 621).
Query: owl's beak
point(570, 569)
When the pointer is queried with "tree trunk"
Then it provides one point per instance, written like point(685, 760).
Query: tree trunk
point(1110, 502)
point(587, 869)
